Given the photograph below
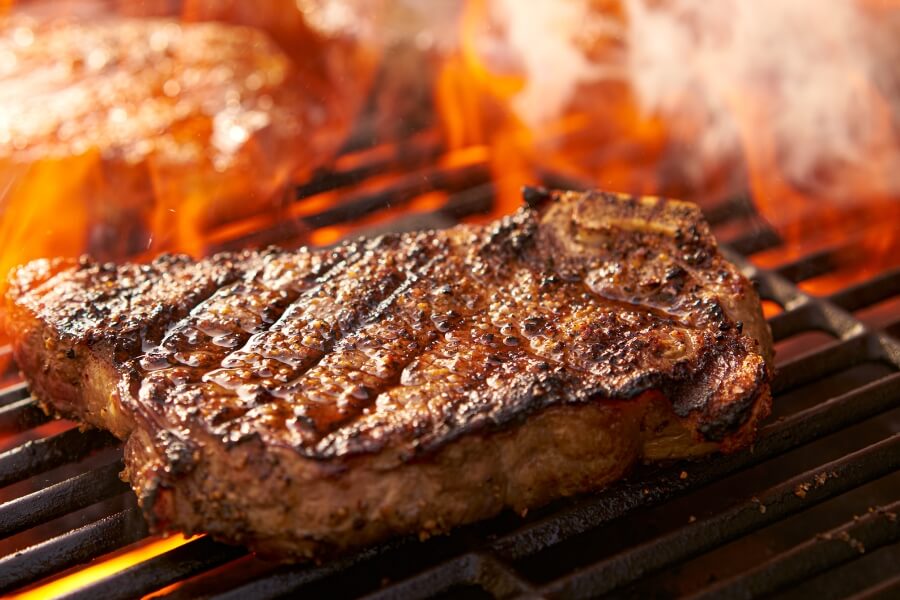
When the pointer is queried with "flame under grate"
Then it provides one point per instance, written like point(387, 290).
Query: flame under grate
point(820, 488)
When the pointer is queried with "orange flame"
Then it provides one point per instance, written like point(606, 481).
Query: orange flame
point(104, 567)
point(603, 135)
point(606, 137)
point(473, 104)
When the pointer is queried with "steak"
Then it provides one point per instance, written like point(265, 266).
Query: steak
point(308, 402)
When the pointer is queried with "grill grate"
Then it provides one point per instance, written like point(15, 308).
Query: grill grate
point(64, 505)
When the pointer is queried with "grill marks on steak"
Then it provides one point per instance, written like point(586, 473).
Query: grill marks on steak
point(343, 351)
point(417, 339)
point(559, 328)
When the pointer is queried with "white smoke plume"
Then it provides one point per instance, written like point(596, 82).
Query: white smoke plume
point(813, 63)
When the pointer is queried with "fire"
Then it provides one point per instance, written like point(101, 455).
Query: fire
point(794, 103)
point(104, 567)
point(125, 137)
point(473, 104)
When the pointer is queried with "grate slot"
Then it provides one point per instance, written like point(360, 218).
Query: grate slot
point(772, 505)
point(779, 437)
point(886, 590)
point(827, 550)
point(884, 286)
point(809, 368)
point(286, 579)
point(38, 456)
point(13, 393)
point(472, 569)
point(414, 153)
point(176, 564)
point(20, 415)
point(61, 498)
point(755, 240)
point(74, 547)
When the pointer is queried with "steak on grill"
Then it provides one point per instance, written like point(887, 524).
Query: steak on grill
point(309, 402)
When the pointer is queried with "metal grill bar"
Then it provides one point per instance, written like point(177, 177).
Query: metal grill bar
point(174, 565)
point(827, 550)
point(479, 569)
point(843, 355)
point(886, 590)
point(37, 456)
point(71, 548)
point(774, 439)
point(14, 392)
point(486, 563)
point(61, 498)
point(772, 505)
point(877, 289)
point(399, 192)
point(415, 152)
point(287, 579)
point(21, 415)
point(821, 262)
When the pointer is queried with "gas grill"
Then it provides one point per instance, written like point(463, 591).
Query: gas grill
point(811, 508)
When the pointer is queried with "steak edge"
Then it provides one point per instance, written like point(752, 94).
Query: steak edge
point(311, 402)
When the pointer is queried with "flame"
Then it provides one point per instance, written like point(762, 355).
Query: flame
point(683, 99)
point(150, 136)
point(679, 98)
point(473, 104)
point(104, 567)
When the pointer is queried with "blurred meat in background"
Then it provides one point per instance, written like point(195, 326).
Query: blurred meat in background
point(130, 128)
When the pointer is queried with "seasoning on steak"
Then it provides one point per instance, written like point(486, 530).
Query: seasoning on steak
point(305, 403)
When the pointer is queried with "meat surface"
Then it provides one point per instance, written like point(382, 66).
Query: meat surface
point(305, 403)
point(142, 131)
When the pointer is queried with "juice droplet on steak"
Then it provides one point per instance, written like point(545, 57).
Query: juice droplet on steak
point(154, 362)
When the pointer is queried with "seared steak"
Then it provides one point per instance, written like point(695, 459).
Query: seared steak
point(303, 403)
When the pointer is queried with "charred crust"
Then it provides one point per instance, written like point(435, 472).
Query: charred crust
point(178, 453)
point(679, 337)
point(535, 196)
point(731, 416)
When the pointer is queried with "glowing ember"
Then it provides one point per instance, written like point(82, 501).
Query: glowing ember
point(104, 567)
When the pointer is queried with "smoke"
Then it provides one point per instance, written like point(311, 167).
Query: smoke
point(810, 84)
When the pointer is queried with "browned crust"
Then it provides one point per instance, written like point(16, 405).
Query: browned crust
point(549, 430)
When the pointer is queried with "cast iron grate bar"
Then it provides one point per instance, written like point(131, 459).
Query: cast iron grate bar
point(38, 456)
point(21, 415)
point(18, 391)
point(824, 482)
point(74, 547)
point(476, 568)
point(413, 153)
point(886, 590)
point(879, 288)
point(486, 563)
point(61, 498)
point(821, 262)
point(825, 551)
point(194, 557)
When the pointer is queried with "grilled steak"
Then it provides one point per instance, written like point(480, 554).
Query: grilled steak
point(308, 402)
